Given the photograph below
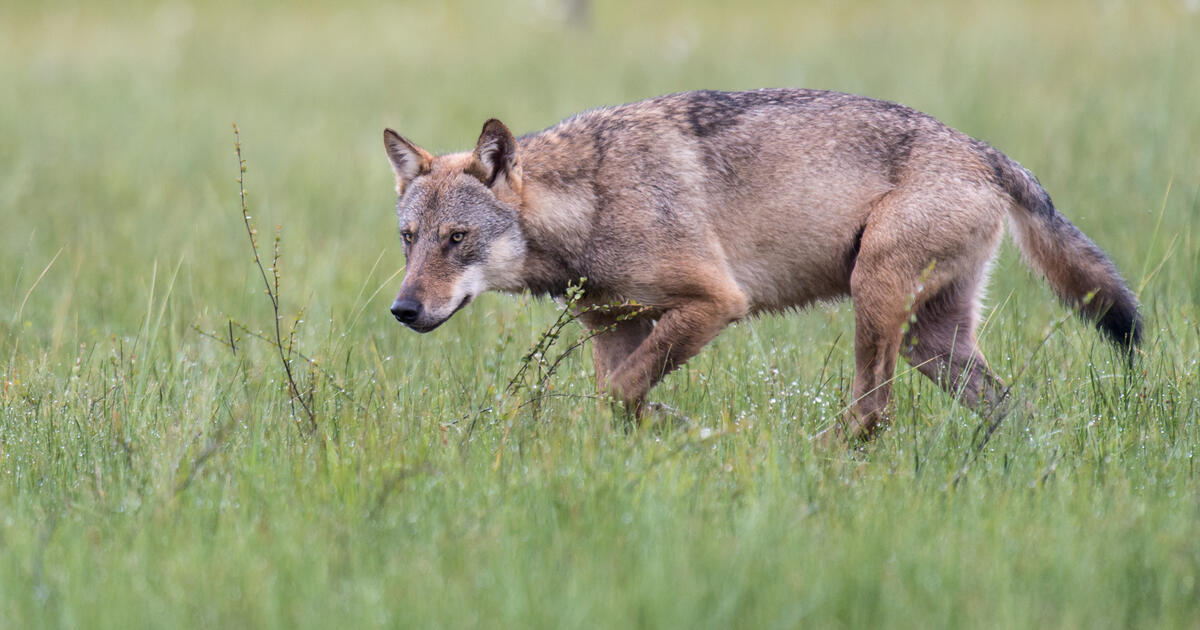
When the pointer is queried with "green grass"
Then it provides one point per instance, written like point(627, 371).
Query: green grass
point(151, 476)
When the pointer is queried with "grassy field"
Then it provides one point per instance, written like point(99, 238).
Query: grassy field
point(154, 474)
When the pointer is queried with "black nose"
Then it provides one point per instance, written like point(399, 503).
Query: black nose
point(406, 311)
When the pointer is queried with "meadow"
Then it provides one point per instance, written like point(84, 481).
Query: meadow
point(159, 469)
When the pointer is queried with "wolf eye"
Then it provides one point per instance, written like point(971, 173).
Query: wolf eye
point(457, 237)
point(407, 236)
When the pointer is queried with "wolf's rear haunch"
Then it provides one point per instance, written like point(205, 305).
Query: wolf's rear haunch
point(709, 207)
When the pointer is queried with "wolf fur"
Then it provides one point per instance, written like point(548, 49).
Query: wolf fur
point(709, 207)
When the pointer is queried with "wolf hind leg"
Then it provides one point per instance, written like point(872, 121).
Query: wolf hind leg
point(880, 309)
point(941, 344)
point(921, 239)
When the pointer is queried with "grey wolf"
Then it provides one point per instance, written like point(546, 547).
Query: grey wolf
point(710, 207)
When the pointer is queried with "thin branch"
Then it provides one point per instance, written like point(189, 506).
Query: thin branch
point(272, 287)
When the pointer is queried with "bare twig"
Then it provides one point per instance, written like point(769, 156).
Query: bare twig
point(537, 358)
point(272, 290)
point(314, 365)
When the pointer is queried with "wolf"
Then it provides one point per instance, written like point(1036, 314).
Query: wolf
point(708, 207)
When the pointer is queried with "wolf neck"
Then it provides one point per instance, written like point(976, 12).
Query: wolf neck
point(557, 222)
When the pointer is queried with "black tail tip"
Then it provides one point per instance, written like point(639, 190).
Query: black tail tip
point(1122, 324)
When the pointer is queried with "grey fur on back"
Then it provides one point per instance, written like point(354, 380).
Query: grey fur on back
point(859, 147)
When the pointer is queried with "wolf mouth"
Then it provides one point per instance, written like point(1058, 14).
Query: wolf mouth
point(424, 329)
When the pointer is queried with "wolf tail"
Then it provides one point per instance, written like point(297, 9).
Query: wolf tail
point(1077, 270)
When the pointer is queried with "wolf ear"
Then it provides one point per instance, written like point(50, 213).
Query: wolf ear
point(495, 159)
point(408, 160)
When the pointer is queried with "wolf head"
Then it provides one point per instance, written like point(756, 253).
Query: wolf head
point(459, 220)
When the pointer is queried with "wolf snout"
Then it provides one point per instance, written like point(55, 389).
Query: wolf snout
point(406, 311)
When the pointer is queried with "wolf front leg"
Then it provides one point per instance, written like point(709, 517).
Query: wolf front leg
point(681, 332)
point(614, 339)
